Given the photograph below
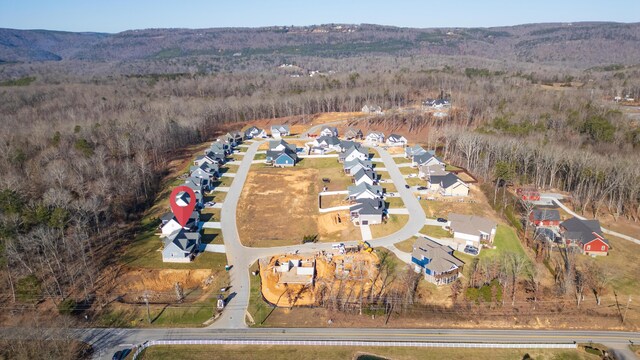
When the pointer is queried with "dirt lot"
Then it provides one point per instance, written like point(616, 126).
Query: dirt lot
point(274, 199)
point(353, 270)
point(442, 206)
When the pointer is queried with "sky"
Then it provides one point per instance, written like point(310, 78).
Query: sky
point(118, 15)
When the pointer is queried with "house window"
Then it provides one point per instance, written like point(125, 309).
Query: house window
point(602, 247)
point(588, 247)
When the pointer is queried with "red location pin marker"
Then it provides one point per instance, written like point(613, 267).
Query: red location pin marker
point(182, 206)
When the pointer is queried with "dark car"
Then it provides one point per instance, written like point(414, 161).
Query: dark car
point(122, 354)
point(441, 220)
point(471, 250)
point(407, 187)
point(422, 188)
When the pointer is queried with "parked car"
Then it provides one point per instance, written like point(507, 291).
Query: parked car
point(407, 186)
point(471, 250)
point(422, 188)
point(441, 220)
point(326, 180)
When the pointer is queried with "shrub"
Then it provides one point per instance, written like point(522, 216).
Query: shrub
point(28, 289)
point(309, 239)
point(67, 307)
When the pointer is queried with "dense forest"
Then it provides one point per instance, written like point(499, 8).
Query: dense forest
point(83, 152)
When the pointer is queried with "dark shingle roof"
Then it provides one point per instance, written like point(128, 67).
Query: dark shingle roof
point(582, 230)
point(546, 214)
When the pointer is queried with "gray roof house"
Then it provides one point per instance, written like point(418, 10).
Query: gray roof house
point(366, 176)
point(170, 224)
point(367, 211)
point(448, 185)
point(396, 140)
point(281, 158)
point(353, 153)
point(331, 142)
point(412, 151)
point(278, 131)
point(329, 131)
point(353, 133)
point(586, 235)
point(426, 171)
point(425, 159)
point(364, 190)
point(375, 137)
point(352, 167)
point(280, 145)
point(254, 132)
point(435, 261)
point(182, 246)
point(472, 230)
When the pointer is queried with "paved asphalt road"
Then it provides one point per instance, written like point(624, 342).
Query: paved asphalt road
point(112, 338)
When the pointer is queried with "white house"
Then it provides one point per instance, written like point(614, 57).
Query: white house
point(355, 154)
point(364, 191)
point(396, 140)
point(181, 246)
point(448, 185)
point(278, 131)
point(375, 137)
point(170, 224)
point(329, 131)
point(426, 159)
point(255, 133)
point(327, 142)
point(365, 176)
point(372, 109)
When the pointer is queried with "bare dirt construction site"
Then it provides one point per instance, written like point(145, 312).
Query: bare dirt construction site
point(280, 206)
point(308, 279)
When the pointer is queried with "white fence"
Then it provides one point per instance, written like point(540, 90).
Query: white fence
point(352, 343)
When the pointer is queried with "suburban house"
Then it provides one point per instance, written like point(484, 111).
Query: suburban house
point(329, 131)
point(198, 185)
point(472, 230)
point(218, 158)
point(327, 142)
point(226, 144)
point(181, 246)
point(281, 158)
point(348, 144)
point(375, 137)
point(585, 235)
point(364, 191)
point(426, 171)
point(170, 224)
point(354, 153)
point(353, 133)
point(425, 159)
point(281, 145)
point(372, 109)
point(396, 140)
point(366, 176)
point(205, 171)
point(278, 131)
point(545, 217)
point(528, 194)
point(255, 133)
point(234, 138)
point(435, 261)
point(367, 211)
point(448, 185)
point(352, 167)
point(410, 152)
point(204, 159)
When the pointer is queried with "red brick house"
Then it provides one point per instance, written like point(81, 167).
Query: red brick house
point(545, 217)
point(585, 235)
point(527, 194)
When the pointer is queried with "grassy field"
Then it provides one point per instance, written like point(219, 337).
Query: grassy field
point(408, 170)
point(401, 160)
point(212, 236)
point(435, 231)
point(415, 181)
point(260, 157)
point(394, 223)
point(621, 264)
point(505, 241)
point(258, 308)
point(406, 245)
point(348, 353)
point(389, 187)
point(394, 202)
point(224, 181)
point(450, 167)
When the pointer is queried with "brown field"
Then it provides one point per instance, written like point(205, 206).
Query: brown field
point(393, 224)
point(278, 206)
point(179, 352)
point(298, 143)
point(396, 150)
point(334, 200)
point(442, 208)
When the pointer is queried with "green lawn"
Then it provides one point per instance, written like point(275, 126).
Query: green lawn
point(261, 352)
point(328, 168)
point(260, 157)
point(622, 264)
point(505, 241)
point(415, 181)
point(435, 231)
point(406, 245)
point(212, 236)
point(394, 223)
point(224, 181)
point(394, 202)
point(389, 187)
point(258, 308)
point(217, 196)
point(449, 167)
point(210, 214)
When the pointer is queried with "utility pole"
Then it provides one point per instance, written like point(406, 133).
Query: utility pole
point(146, 301)
point(625, 310)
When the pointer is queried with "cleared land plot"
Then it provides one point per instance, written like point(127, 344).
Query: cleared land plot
point(442, 208)
point(334, 200)
point(393, 224)
point(621, 265)
point(280, 206)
